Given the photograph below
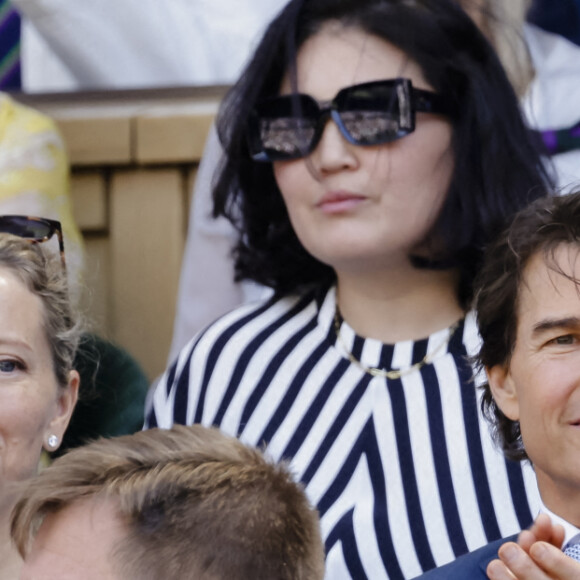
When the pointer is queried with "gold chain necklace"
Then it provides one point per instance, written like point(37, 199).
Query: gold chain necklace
point(377, 372)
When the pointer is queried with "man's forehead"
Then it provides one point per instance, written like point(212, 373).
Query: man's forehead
point(551, 264)
point(550, 282)
point(76, 543)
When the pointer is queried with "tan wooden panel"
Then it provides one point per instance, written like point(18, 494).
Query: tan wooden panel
point(95, 298)
point(89, 200)
point(97, 140)
point(165, 138)
point(146, 250)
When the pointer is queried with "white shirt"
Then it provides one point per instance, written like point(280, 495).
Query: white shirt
point(71, 44)
point(570, 530)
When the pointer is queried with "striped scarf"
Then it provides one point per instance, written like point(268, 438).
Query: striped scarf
point(10, 75)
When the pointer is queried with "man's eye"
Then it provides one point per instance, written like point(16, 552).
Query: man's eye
point(566, 339)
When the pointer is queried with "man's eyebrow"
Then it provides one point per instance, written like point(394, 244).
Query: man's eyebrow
point(552, 323)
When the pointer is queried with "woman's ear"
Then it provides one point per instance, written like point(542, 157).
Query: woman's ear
point(65, 404)
point(504, 391)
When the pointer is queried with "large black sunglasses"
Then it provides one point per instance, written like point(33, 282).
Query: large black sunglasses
point(35, 229)
point(290, 126)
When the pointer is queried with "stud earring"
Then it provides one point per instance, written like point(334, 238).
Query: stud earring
point(52, 442)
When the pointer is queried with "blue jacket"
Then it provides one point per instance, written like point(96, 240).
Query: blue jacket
point(469, 566)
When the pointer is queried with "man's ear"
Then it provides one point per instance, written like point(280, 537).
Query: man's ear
point(504, 391)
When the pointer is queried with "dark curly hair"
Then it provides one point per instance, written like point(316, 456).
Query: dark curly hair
point(497, 165)
point(541, 228)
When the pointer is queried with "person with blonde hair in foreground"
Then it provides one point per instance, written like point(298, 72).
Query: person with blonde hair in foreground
point(39, 333)
point(189, 502)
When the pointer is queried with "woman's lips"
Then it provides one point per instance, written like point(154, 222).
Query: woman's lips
point(340, 202)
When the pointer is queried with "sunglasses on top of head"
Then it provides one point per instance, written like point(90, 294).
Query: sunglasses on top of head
point(290, 126)
point(35, 229)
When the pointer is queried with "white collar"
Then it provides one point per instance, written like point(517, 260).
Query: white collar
point(570, 530)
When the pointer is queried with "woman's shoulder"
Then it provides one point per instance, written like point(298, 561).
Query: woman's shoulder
point(254, 322)
point(245, 340)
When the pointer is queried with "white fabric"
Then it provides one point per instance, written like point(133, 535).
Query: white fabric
point(553, 99)
point(42, 70)
point(570, 530)
point(140, 43)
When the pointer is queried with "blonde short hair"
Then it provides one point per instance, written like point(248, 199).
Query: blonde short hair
point(196, 503)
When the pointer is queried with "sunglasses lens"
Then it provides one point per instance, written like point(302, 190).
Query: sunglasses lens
point(370, 113)
point(286, 126)
point(287, 136)
point(24, 227)
point(370, 127)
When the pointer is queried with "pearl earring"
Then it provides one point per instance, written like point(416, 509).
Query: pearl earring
point(52, 441)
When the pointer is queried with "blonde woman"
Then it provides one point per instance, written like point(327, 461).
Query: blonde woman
point(38, 385)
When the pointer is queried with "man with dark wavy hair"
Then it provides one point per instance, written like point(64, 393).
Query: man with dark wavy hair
point(528, 312)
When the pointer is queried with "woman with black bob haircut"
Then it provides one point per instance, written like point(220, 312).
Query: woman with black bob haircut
point(496, 167)
point(373, 148)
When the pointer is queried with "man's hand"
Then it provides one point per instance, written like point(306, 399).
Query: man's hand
point(536, 556)
point(543, 562)
point(542, 530)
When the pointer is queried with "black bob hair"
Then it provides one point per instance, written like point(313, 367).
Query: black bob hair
point(498, 169)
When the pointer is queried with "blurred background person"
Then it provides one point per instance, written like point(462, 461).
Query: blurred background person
point(34, 177)
point(545, 71)
point(38, 384)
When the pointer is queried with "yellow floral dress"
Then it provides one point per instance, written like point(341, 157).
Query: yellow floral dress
point(34, 176)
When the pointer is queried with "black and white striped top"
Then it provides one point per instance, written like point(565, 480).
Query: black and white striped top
point(403, 472)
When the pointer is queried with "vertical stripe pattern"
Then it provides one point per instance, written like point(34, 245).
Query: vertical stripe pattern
point(403, 472)
point(10, 75)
